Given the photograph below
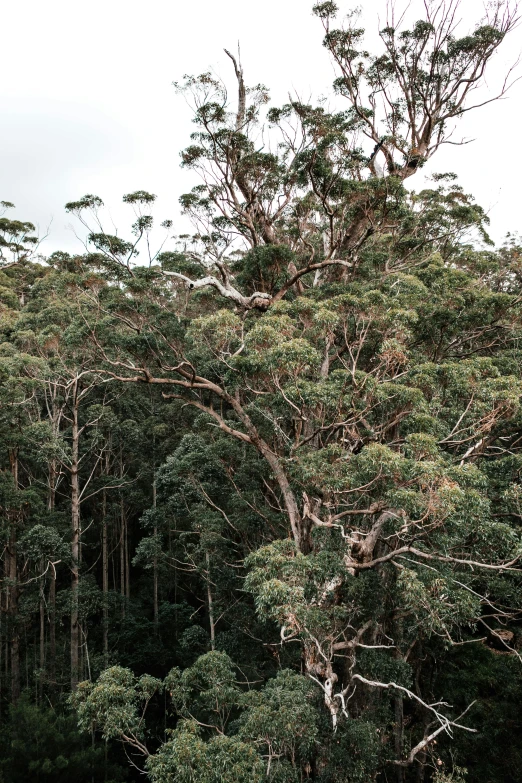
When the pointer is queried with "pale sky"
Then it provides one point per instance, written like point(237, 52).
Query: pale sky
point(88, 104)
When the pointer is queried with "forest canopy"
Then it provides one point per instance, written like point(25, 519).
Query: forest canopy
point(260, 482)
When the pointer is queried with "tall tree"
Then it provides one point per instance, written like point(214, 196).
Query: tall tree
point(337, 326)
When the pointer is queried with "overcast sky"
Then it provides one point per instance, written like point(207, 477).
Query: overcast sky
point(88, 104)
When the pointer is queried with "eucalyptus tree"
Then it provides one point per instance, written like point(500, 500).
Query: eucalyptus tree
point(18, 240)
point(347, 331)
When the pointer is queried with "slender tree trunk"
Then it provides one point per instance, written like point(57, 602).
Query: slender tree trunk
point(81, 654)
point(399, 735)
point(122, 557)
point(422, 757)
point(399, 705)
point(52, 586)
point(42, 630)
point(154, 505)
point(26, 648)
point(210, 607)
point(6, 658)
point(155, 562)
point(52, 628)
point(51, 501)
point(114, 545)
point(13, 612)
point(105, 582)
point(127, 564)
point(75, 542)
point(12, 573)
point(85, 656)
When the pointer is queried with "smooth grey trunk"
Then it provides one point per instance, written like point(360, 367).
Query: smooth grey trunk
point(56, 416)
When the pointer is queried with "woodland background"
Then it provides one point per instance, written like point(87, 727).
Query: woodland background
point(260, 482)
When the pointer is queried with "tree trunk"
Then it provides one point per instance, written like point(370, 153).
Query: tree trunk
point(105, 582)
point(155, 561)
point(122, 558)
point(13, 590)
point(51, 500)
point(42, 629)
point(399, 735)
point(75, 542)
point(52, 587)
point(52, 628)
point(13, 613)
point(210, 607)
point(127, 564)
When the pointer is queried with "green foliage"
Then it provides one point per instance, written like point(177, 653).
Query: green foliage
point(355, 754)
point(260, 487)
point(207, 689)
point(281, 722)
point(42, 743)
point(113, 703)
point(188, 759)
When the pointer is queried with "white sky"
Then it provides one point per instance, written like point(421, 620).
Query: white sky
point(87, 104)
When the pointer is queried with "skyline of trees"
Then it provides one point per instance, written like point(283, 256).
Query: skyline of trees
point(260, 484)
